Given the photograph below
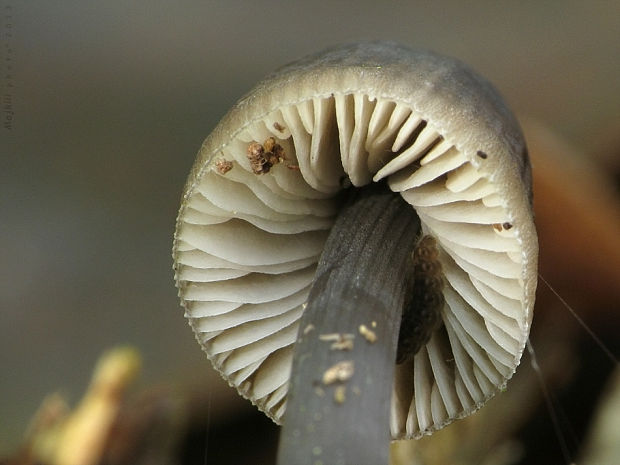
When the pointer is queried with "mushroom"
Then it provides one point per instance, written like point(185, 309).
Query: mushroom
point(267, 188)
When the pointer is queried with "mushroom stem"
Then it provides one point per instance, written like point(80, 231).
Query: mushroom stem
point(338, 406)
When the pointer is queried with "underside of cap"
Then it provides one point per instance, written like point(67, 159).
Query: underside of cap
point(263, 195)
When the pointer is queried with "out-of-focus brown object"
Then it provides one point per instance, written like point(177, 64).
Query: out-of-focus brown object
point(84, 434)
point(60, 437)
point(578, 220)
point(160, 425)
point(606, 149)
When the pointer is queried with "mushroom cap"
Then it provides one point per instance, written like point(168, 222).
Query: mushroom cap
point(252, 224)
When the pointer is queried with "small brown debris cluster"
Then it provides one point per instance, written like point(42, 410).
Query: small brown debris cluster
point(308, 329)
point(341, 371)
point(499, 227)
point(264, 156)
point(339, 341)
point(344, 344)
point(223, 166)
point(368, 333)
point(278, 127)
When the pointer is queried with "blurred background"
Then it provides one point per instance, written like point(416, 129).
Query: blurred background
point(111, 101)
